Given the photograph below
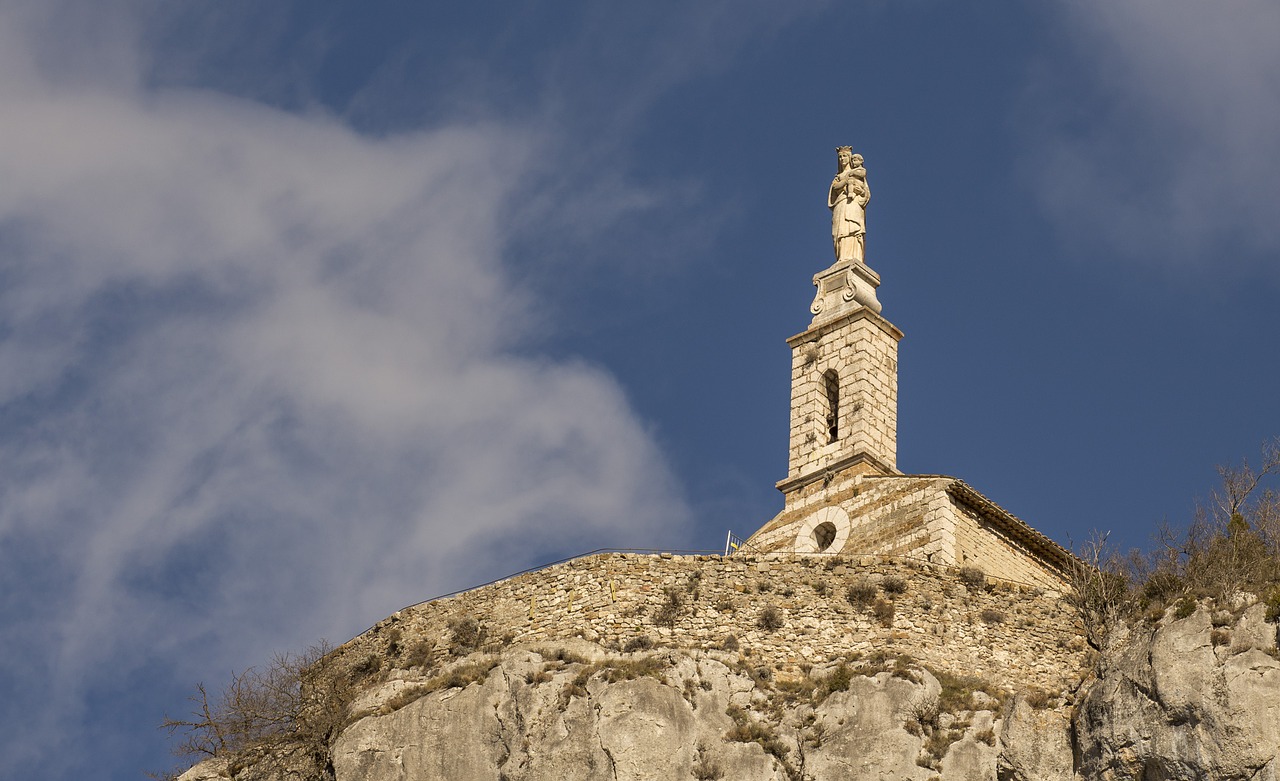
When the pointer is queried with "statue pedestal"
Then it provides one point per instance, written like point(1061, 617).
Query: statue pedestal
point(843, 288)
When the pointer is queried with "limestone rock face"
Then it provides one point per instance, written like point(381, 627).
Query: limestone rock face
point(1185, 700)
point(1193, 698)
point(1036, 744)
point(209, 770)
point(684, 715)
point(534, 717)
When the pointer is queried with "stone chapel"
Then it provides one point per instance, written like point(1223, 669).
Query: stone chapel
point(843, 491)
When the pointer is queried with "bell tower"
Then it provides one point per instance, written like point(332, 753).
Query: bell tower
point(843, 493)
point(844, 366)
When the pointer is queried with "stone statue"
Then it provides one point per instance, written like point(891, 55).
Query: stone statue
point(848, 204)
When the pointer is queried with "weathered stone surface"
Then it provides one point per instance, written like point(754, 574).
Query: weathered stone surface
point(1179, 699)
point(454, 734)
point(536, 719)
point(1183, 701)
point(863, 730)
point(618, 597)
point(973, 758)
point(210, 770)
point(1035, 744)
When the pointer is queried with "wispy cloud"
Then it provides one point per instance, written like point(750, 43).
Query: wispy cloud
point(1176, 158)
point(261, 379)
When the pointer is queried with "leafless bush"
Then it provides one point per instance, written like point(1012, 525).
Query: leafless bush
point(290, 709)
point(1234, 543)
point(747, 729)
point(705, 768)
point(1099, 588)
point(923, 713)
point(1038, 698)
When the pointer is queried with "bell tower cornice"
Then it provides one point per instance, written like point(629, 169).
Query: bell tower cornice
point(844, 287)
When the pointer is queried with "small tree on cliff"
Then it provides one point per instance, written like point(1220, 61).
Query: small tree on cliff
point(287, 712)
point(1099, 587)
point(1232, 546)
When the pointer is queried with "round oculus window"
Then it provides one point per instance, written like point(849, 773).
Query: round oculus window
point(823, 535)
point(825, 531)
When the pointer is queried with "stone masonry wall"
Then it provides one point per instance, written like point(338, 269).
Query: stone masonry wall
point(912, 516)
point(891, 517)
point(864, 353)
point(1014, 636)
point(979, 544)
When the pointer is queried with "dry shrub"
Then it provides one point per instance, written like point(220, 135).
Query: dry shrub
point(563, 656)
point(393, 637)
point(992, 616)
point(705, 768)
point(672, 605)
point(861, 593)
point(973, 578)
point(466, 635)
point(894, 585)
point(418, 654)
point(770, 619)
point(957, 691)
point(883, 610)
point(614, 670)
point(839, 679)
point(462, 676)
point(748, 730)
point(638, 643)
point(1038, 698)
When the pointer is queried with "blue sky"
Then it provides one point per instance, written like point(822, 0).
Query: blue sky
point(312, 310)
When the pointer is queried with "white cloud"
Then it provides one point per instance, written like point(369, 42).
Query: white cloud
point(1175, 158)
point(261, 381)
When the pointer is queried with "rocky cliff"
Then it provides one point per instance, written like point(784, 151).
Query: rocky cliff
point(1192, 697)
point(579, 712)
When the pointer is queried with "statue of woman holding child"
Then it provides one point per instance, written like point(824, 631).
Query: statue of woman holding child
point(848, 203)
